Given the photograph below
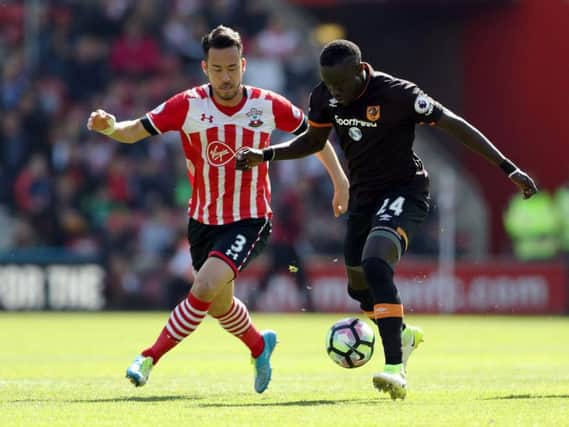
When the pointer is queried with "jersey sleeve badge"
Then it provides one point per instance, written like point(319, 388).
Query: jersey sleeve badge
point(424, 105)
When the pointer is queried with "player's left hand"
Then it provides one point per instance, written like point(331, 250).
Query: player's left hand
point(248, 158)
point(341, 199)
point(525, 183)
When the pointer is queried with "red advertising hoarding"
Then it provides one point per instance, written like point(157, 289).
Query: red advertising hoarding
point(491, 287)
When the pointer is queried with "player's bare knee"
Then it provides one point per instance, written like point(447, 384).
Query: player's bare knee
point(219, 308)
point(206, 286)
point(203, 290)
point(222, 302)
point(211, 279)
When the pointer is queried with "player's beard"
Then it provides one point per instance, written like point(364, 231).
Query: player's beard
point(227, 93)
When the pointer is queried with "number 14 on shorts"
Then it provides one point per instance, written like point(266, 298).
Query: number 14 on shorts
point(396, 206)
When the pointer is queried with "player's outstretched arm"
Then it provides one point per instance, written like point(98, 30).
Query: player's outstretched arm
point(476, 141)
point(128, 131)
point(305, 144)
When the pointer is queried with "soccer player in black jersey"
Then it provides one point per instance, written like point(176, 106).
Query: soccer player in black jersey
point(374, 115)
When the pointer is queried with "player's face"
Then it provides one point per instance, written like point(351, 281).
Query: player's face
point(344, 81)
point(224, 69)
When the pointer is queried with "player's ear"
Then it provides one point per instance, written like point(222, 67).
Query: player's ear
point(243, 64)
point(204, 67)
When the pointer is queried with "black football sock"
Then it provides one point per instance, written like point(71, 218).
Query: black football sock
point(390, 331)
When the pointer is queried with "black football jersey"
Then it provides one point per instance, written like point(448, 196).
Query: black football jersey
point(376, 131)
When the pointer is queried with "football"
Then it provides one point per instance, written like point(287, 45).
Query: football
point(350, 342)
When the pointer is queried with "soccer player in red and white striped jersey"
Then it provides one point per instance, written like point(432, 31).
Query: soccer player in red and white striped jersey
point(212, 134)
point(229, 212)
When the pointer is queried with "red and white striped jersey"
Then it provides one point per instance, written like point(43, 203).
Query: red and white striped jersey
point(212, 135)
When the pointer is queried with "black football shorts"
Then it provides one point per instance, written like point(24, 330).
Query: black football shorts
point(236, 243)
point(402, 209)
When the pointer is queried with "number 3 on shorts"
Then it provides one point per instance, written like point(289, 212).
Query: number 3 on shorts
point(396, 206)
point(239, 243)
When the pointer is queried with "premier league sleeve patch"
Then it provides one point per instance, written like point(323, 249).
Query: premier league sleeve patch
point(423, 105)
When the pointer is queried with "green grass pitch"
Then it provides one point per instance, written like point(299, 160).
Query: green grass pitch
point(67, 369)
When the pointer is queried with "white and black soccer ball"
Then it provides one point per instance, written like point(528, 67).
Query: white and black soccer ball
point(350, 342)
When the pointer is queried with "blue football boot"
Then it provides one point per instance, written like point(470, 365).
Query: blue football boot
point(262, 363)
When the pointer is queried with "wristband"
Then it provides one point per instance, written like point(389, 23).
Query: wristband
point(514, 171)
point(268, 154)
point(111, 128)
point(508, 167)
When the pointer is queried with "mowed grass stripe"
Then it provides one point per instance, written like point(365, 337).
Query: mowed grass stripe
point(67, 369)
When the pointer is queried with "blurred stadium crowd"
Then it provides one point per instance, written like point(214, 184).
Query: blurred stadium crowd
point(64, 187)
point(69, 191)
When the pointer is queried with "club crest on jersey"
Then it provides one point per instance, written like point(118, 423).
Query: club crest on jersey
point(255, 117)
point(219, 153)
point(373, 113)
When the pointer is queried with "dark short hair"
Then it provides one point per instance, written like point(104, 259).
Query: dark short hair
point(339, 51)
point(220, 38)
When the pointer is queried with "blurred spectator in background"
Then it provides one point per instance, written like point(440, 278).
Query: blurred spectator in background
point(126, 55)
point(15, 79)
point(256, 16)
point(227, 12)
point(13, 145)
point(278, 40)
point(34, 196)
point(264, 70)
point(533, 226)
point(182, 37)
point(135, 53)
point(180, 272)
point(86, 72)
point(284, 253)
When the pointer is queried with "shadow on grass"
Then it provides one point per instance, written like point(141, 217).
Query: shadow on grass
point(528, 396)
point(320, 402)
point(114, 399)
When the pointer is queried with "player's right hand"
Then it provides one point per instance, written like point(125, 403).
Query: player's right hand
point(248, 158)
point(341, 198)
point(100, 121)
